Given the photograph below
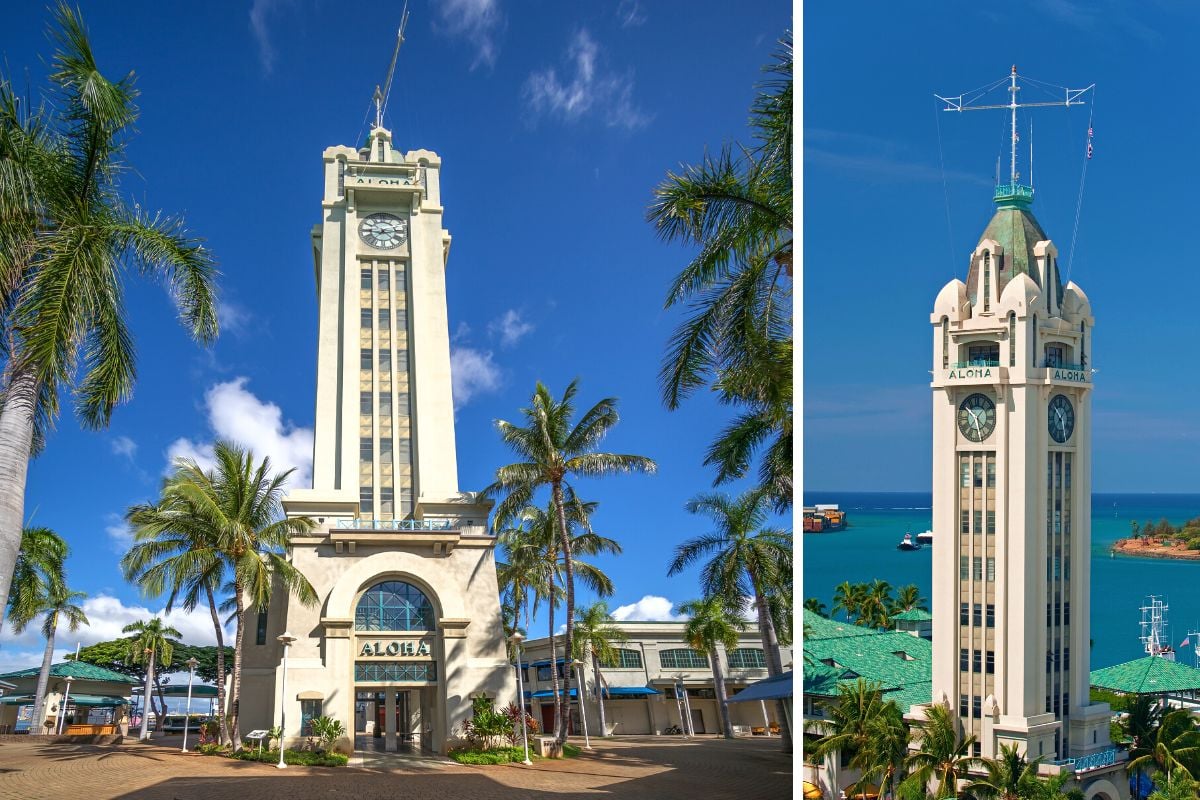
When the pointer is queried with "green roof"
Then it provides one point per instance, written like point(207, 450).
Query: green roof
point(75, 699)
point(821, 680)
point(79, 670)
point(1017, 231)
point(913, 615)
point(1149, 675)
point(818, 627)
point(838, 653)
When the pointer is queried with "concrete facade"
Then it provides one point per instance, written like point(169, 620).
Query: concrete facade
point(385, 491)
point(656, 657)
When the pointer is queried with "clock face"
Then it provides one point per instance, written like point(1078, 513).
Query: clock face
point(1060, 418)
point(977, 417)
point(383, 231)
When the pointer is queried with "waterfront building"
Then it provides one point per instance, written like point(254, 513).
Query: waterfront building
point(407, 629)
point(97, 700)
point(639, 686)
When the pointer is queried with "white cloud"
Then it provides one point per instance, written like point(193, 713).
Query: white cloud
point(650, 608)
point(237, 415)
point(589, 88)
point(120, 536)
point(259, 11)
point(124, 446)
point(630, 13)
point(477, 21)
point(509, 327)
point(107, 615)
point(233, 318)
point(472, 372)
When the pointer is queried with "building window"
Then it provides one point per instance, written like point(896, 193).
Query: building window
point(365, 279)
point(366, 450)
point(365, 319)
point(393, 606)
point(1067, 613)
point(747, 658)
point(964, 613)
point(1066, 661)
point(989, 662)
point(385, 405)
point(964, 703)
point(400, 276)
point(964, 659)
point(385, 281)
point(385, 360)
point(977, 615)
point(991, 521)
point(977, 568)
point(978, 520)
point(984, 354)
point(964, 464)
point(945, 343)
point(402, 360)
point(1012, 340)
point(987, 282)
point(963, 567)
point(1054, 356)
point(309, 710)
point(991, 615)
point(402, 403)
point(682, 658)
point(401, 319)
point(991, 472)
point(385, 448)
point(976, 707)
point(976, 661)
point(964, 520)
point(1083, 344)
point(1034, 339)
point(404, 450)
point(364, 402)
point(260, 634)
point(387, 503)
point(405, 498)
point(632, 659)
point(978, 475)
point(977, 749)
point(385, 319)
point(543, 672)
point(395, 671)
point(366, 500)
point(990, 573)
point(364, 358)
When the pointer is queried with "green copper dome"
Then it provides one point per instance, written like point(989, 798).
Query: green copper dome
point(1017, 230)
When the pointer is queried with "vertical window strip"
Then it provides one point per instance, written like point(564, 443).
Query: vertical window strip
point(1012, 339)
point(987, 281)
point(945, 343)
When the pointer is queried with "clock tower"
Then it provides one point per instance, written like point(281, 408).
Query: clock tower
point(1012, 430)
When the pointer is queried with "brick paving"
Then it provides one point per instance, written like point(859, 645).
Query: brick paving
point(642, 767)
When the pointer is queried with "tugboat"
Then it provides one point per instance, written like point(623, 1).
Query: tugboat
point(907, 543)
point(925, 538)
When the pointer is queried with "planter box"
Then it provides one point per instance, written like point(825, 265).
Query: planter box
point(547, 747)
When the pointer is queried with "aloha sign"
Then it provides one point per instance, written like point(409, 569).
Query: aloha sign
point(396, 647)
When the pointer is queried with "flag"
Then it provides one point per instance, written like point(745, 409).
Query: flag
point(1184, 643)
point(1089, 150)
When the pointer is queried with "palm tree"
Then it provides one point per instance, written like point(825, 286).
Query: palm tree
point(1177, 785)
point(710, 623)
point(1176, 745)
point(882, 756)
point(848, 597)
point(596, 637)
point(177, 553)
point(909, 598)
point(39, 572)
point(942, 755)
point(554, 450)
point(58, 604)
point(876, 609)
point(814, 605)
point(744, 557)
point(66, 240)
point(847, 729)
point(1141, 725)
point(1009, 777)
point(238, 503)
point(152, 643)
point(737, 209)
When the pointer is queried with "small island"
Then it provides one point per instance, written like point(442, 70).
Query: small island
point(1162, 540)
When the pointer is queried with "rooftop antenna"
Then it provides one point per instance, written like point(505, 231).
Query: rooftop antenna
point(381, 95)
point(1071, 97)
point(1154, 628)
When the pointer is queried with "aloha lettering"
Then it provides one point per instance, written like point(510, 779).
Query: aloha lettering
point(1075, 376)
point(976, 372)
point(394, 648)
point(379, 181)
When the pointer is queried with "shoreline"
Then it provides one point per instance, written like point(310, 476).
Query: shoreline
point(1140, 549)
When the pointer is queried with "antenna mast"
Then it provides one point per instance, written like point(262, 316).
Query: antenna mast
point(1071, 97)
point(381, 95)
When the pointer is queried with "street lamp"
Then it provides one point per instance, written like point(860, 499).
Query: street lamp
point(62, 713)
point(192, 663)
point(578, 665)
point(286, 640)
point(516, 639)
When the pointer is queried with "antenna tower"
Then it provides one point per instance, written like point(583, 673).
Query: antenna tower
point(381, 95)
point(1154, 628)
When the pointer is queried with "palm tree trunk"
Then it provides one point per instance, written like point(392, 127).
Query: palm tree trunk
point(719, 685)
point(212, 607)
point(553, 659)
point(16, 444)
point(774, 663)
point(147, 699)
point(568, 566)
point(599, 692)
point(162, 701)
point(39, 695)
point(235, 735)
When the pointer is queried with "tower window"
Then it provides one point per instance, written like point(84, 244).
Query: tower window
point(963, 705)
point(991, 569)
point(976, 707)
point(366, 450)
point(945, 343)
point(386, 500)
point(402, 360)
point(1067, 613)
point(402, 403)
point(366, 499)
point(963, 567)
point(404, 450)
point(991, 522)
point(976, 661)
point(260, 633)
point(401, 319)
point(991, 615)
point(987, 281)
point(341, 178)
point(964, 518)
point(1012, 340)
point(385, 360)
point(1083, 344)
point(991, 473)
point(385, 281)
point(977, 615)
point(385, 448)
point(364, 402)
point(365, 319)
point(1054, 355)
point(964, 613)
point(989, 663)
point(962, 659)
point(365, 279)
point(385, 405)
point(385, 319)
point(978, 522)
point(977, 568)
point(364, 361)
point(400, 276)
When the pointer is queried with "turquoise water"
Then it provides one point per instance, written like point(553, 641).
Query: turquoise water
point(867, 550)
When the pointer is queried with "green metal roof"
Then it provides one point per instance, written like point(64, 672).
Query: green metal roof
point(821, 680)
point(913, 615)
point(838, 653)
point(1149, 675)
point(79, 670)
point(818, 627)
point(1017, 231)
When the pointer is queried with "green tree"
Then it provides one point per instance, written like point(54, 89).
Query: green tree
point(67, 240)
point(59, 605)
point(152, 644)
point(239, 503)
point(1009, 776)
point(1176, 745)
point(909, 598)
point(711, 623)
point(882, 756)
point(847, 728)
point(736, 208)
point(177, 552)
point(744, 557)
point(942, 755)
point(876, 609)
point(816, 606)
point(848, 598)
point(1176, 785)
point(39, 572)
point(555, 449)
point(596, 639)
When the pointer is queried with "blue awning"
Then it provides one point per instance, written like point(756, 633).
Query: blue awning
point(629, 691)
point(542, 694)
point(546, 662)
point(777, 688)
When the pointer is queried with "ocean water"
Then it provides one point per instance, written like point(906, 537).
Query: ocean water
point(867, 550)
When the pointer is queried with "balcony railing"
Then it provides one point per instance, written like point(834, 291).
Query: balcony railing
point(1064, 365)
point(977, 362)
point(1101, 758)
point(1014, 190)
point(395, 524)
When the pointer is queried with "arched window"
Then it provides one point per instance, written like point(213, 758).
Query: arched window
point(747, 658)
point(1012, 339)
point(1083, 344)
point(945, 343)
point(1034, 340)
point(393, 606)
point(624, 659)
point(987, 281)
point(682, 659)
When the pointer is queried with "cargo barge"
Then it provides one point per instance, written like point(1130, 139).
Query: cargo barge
point(821, 518)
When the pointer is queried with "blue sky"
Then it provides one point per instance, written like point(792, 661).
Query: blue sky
point(554, 122)
point(882, 235)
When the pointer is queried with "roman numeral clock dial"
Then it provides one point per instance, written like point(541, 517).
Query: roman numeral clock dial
point(977, 417)
point(383, 231)
point(1060, 418)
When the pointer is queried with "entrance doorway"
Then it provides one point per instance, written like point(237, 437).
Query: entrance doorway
point(371, 721)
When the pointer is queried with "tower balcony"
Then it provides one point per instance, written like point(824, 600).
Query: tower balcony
point(397, 525)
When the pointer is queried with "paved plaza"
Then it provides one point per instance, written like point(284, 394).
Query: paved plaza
point(644, 767)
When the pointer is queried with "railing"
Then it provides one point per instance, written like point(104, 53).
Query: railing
point(1064, 365)
point(396, 524)
point(1101, 758)
point(1014, 190)
point(977, 362)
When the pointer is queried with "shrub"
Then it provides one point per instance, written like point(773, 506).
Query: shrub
point(210, 730)
point(302, 758)
point(212, 749)
point(513, 732)
point(327, 730)
point(495, 755)
point(486, 725)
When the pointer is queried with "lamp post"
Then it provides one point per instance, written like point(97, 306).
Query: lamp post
point(62, 707)
point(578, 665)
point(192, 663)
point(516, 639)
point(286, 640)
